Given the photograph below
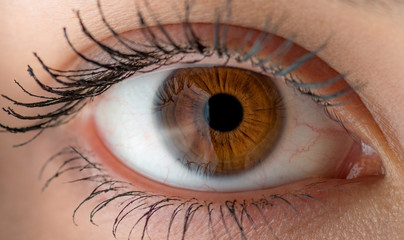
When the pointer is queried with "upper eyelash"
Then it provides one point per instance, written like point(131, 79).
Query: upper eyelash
point(76, 87)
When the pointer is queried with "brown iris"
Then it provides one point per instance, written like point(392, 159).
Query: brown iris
point(219, 120)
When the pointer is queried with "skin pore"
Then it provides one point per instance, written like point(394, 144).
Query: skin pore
point(365, 41)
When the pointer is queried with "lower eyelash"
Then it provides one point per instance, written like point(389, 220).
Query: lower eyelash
point(144, 206)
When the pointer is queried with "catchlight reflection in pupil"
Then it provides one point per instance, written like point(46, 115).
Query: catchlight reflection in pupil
point(219, 120)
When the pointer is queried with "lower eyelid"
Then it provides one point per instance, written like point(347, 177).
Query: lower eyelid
point(294, 204)
point(283, 208)
point(119, 170)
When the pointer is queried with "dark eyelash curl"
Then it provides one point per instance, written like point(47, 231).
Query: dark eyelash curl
point(110, 192)
point(75, 88)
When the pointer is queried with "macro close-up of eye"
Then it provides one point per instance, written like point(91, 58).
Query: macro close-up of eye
point(203, 120)
point(225, 128)
point(221, 129)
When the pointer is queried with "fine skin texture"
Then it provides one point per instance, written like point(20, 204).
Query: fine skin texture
point(366, 42)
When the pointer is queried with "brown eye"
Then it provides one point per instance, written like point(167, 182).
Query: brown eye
point(219, 120)
point(219, 128)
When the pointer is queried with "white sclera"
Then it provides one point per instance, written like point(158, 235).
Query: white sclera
point(311, 144)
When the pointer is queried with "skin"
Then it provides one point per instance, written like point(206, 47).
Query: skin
point(366, 42)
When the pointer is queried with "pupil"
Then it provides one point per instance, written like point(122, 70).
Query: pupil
point(223, 112)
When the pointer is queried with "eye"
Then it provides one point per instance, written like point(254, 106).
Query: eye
point(149, 120)
point(153, 111)
point(219, 128)
point(170, 127)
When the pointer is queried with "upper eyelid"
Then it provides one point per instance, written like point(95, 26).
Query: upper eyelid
point(126, 21)
point(99, 44)
point(153, 20)
point(122, 17)
point(76, 89)
point(95, 42)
